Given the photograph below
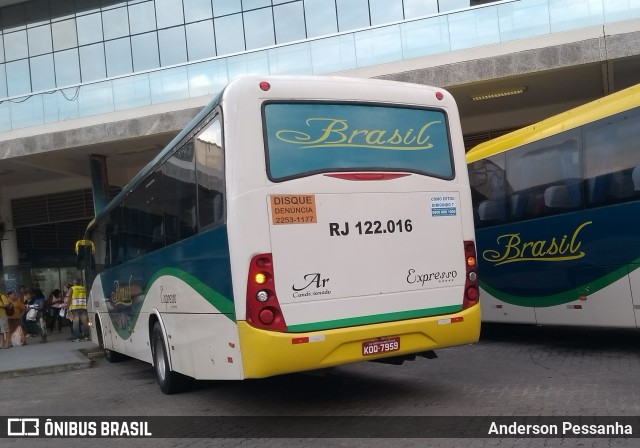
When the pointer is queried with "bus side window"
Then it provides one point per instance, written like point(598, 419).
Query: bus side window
point(210, 175)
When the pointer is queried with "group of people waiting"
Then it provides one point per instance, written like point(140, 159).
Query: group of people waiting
point(28, 314)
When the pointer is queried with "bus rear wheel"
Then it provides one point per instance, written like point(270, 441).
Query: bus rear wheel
point(169, 381)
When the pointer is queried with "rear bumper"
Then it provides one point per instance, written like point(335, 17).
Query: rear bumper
point(268, 353)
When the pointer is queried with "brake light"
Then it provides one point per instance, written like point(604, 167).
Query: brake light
point(471, 290)
point(263, 309)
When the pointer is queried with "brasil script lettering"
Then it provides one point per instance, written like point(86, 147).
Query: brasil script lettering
point(122, 295)
point(332, 132)
point(557, 249)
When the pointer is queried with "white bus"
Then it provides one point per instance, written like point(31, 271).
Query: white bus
point(297, 223)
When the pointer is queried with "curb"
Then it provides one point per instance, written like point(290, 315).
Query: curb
point(92, 353)
point(46, 369)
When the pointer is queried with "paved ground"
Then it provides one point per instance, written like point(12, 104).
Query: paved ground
point(59, 354)
point(514, 371)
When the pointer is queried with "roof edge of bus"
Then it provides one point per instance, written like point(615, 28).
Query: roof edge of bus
point(155, 162)
point(594, 110)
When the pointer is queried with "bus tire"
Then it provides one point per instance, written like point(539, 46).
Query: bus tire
point(113, 356)
point(169, 381)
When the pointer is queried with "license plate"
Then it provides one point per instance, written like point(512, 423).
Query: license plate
point(379, 346)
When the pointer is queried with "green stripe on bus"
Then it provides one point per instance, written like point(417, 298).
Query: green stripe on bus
point(220, 302)
point(567, 296)
point(374, 319)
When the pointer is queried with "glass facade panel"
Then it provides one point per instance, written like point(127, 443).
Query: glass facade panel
point(207, 78)
point(18, 79)
point(424, 37)
point(201, 42)
point(64, 34)
point(71, 32)
point(130, 92)
point(89, 29)
point(144, 50)
point(473, 28)
point(289, 22)
point(3, 82)
point(67, 67)
point(378, 46)
point(229, 34)
point(333, 54)
point(195, 10)
point(385, 11)
point(58, 108)
point(352, 14)
point(42, 74)
point(321, 17)
point(169, 13)
point(115, 23)
point(169, 85)
point(173, 46)
point(572, 14)
point(615, 10)
point(290, 60)
point(96, 99)
point(419, 8)
point(27, 113)
point(258, 28)
point(39, 40)
point(118, 55)
point(92, 63)
point(450, 5)
point(224, 7)
point(142, 17)
point(254, 4)
point(15, 45)
point(519, 20)
point(257, 62)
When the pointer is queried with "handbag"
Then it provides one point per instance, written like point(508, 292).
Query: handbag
point(32, 314)
point(9, 309)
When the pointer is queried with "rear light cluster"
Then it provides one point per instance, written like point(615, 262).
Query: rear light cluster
point(471, 291)
point(263, 309)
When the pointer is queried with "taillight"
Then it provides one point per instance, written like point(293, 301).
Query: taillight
point(263, 309)
point(471, 291)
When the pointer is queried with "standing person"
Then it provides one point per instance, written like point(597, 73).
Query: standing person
point(4, 322)
point(55, 306)
point(29, 325)
point(16, 318)
point(77, 299)
point(37, 324)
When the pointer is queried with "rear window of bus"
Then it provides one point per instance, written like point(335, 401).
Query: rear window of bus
point(310, 138)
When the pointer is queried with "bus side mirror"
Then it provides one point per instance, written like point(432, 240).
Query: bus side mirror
point(84, 255)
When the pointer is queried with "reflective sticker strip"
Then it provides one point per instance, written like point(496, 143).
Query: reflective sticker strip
point(307, 339)
point(452, 320)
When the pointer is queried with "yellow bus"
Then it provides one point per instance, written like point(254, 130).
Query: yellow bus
point(556, 207)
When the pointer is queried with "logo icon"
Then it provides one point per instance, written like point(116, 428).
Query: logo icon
point(23, 427)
